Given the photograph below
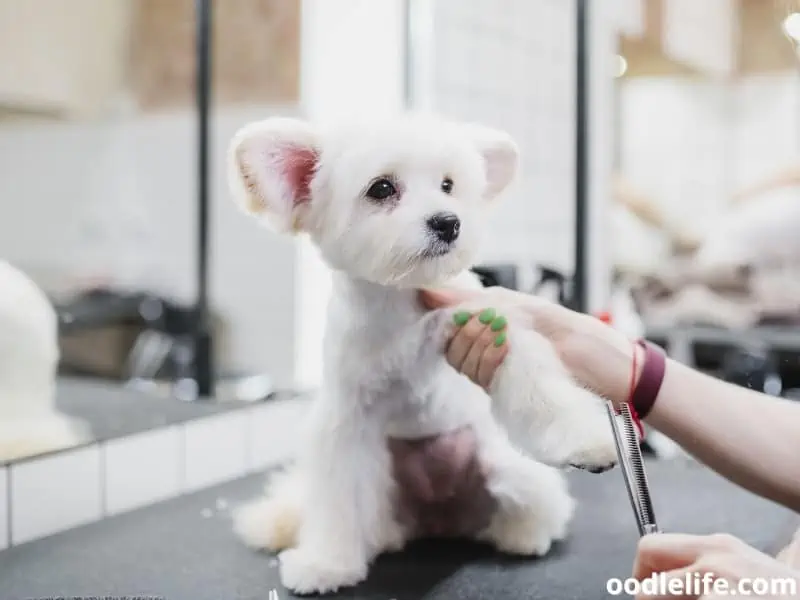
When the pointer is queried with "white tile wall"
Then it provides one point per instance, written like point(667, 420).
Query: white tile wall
point(142, 469)
point(4, 510)
point(512, 64)
point(513, 67)
point(215, 450)
point(54, 493)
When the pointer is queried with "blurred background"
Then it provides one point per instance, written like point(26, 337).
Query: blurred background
point(660, 188)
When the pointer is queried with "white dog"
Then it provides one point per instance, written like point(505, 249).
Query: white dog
point(394, 206)
point(29, 421)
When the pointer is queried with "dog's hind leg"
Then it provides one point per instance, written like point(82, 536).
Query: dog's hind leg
point(535, 507)
point(348, 514)
point(271, 522)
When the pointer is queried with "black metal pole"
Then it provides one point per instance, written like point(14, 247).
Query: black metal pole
point(203, 347)
point(580, 283)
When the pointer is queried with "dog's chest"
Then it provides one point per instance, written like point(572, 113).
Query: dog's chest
point(378, 363)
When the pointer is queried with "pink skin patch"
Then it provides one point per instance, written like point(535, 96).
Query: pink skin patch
point(298, 166)
point(442, 487)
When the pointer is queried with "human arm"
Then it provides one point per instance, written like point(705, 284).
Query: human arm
point(750, 438)
point(747, 437)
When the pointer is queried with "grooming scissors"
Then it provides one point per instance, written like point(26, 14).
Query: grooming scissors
point(629, 454)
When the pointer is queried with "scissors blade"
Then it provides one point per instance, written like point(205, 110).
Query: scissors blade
point(639, 475)
point(623, 457)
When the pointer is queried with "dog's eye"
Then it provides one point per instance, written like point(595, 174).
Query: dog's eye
point(381, 190)
point(447, 185)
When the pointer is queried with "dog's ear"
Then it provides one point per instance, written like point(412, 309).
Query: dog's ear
point(271, 165)
point(500, 155)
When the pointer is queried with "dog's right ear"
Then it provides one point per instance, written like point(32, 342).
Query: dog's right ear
point(271, 165)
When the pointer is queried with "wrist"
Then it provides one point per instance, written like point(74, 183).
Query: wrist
point(649, 369)
point(627, 375)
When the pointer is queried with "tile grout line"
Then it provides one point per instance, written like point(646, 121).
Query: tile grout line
point(101, 460)
point(249, 466)
point(9, 518)
point(182, 461)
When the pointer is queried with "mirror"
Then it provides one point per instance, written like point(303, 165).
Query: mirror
point(98, 222)
point(707, 190)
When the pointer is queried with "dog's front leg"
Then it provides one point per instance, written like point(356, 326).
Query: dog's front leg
point(347, 509)
point(545, 411)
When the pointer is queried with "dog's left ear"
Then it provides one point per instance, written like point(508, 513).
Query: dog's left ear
point(500, 154)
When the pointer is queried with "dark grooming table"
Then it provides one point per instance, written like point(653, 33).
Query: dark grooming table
point(185, 549)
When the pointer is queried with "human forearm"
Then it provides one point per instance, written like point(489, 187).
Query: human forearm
point(751, 439)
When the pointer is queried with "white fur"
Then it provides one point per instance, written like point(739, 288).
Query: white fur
point(29, 421)
point(331, 512)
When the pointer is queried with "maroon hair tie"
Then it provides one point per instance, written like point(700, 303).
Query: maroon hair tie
point(646, 391)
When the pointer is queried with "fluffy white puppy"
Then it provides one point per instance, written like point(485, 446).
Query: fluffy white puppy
point(394, 206)
point(29, 421)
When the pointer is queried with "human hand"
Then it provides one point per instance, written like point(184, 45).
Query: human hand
point(716, 565)
point(595, 354)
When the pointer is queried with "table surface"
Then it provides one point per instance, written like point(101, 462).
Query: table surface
point(185, 550)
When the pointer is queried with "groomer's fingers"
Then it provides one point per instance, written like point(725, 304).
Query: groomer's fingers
point(487, 334)
point(670, 585)
point(494, 354)
point(661, 552)
point(468, 328)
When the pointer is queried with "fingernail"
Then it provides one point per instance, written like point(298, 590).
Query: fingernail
point(461, 318)
point(487, 316)
point(500, 339)
point(499, 323)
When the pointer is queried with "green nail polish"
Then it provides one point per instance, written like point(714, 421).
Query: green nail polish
point(500, 339)
point(461, 318)
point(487, 316)
point(499, 323)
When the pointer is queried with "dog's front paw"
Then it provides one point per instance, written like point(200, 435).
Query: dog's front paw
point(308, 572)
point(595, 452)
point(583, 439)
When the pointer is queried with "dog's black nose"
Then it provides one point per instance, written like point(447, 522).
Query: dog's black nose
point(446, 226)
